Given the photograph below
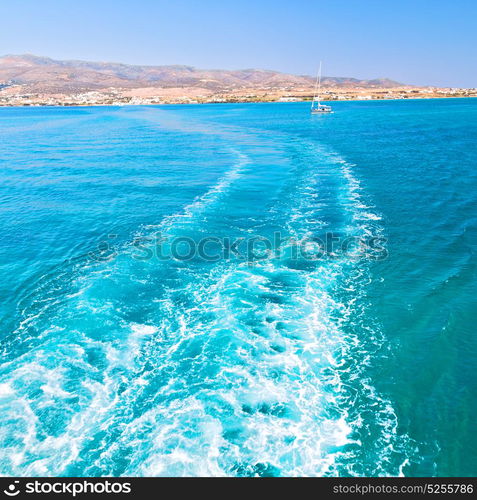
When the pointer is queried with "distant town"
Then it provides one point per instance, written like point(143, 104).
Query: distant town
point(119, 97)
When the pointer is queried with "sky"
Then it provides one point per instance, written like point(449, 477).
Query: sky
point(420, 42)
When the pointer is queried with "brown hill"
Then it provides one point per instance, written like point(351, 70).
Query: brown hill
point(42, 74)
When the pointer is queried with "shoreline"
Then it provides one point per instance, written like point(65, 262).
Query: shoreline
point(120, 105)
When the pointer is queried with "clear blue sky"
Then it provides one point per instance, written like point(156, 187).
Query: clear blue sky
point(414, 41)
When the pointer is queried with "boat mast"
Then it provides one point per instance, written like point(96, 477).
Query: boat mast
point(317, 88)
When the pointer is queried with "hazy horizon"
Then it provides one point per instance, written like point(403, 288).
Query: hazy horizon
point(409, 42)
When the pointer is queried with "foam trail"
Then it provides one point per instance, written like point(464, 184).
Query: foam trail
point(213, 369)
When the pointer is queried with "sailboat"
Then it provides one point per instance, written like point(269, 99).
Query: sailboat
point(316, 106)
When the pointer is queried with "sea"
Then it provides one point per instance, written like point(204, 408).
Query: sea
point(239, 290)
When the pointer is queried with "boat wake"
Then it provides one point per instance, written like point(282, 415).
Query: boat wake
point(148, 367)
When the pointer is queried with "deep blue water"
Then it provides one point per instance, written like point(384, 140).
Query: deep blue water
point(167, 308)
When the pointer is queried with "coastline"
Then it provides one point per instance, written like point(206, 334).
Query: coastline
point(99, 104)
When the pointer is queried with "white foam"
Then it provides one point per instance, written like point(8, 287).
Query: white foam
point(5, 390)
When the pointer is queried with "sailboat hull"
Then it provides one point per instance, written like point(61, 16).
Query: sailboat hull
point(321, 111)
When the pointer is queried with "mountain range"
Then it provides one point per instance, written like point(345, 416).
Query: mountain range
point(46, 75)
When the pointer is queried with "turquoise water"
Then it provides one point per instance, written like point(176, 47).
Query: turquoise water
point(129, 349)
